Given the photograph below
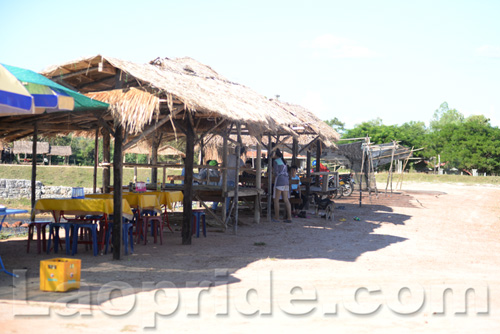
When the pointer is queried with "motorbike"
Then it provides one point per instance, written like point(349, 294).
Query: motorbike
point(346, 184)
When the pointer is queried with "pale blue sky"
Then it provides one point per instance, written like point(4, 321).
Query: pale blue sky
point(354, 60)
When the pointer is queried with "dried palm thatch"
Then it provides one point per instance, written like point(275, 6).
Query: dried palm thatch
point(144, 147)
point(177, 82)
point(26, 147)
point(310, 124)
point(169, 150)
point(132, 107)
point(64, 151)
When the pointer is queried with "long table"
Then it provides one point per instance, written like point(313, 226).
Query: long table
point(79, 207)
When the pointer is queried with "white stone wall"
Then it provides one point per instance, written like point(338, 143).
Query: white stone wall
point(15, 189)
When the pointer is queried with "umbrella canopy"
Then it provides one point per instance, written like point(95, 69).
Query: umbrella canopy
point(47, 95)
point(54, 96)
point(14, 98)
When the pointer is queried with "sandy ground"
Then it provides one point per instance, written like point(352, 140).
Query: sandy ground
point(406, 266)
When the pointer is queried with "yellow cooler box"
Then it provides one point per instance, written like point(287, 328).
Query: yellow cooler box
point(60, 274)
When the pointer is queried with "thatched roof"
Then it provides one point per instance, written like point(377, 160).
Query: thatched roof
point(169, 150)
point(310, 124)
point(144, 147)
point(26, 147)
point(167, 91)
point(64, 151)
point(184, 82)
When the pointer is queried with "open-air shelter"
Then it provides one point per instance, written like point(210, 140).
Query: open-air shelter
point(164, 100)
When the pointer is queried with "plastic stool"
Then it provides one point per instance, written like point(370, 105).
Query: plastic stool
point(93, 231)
point(40, 235)
point(127, 236)
point(156, 224)
point(197, 215)
point(54, 231)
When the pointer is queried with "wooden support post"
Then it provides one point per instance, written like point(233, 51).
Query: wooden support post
point(188, 182)
point(364, 148)
point(106, 158)
point(164, 176)
point(117, 197)
point(318, 161)
point(308, 175)
point(295, 146)
point(201, 157)
point(269, 177)
point(258, 180)
point(237, 153)
point(154, 157)
point(224, 177)
point(96, 158)
point(33, 171)
point(389, 176)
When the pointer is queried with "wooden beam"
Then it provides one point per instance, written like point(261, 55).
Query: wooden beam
point(105, 125)
point(33, 172)
point(99, 69)
point(188, 183)
point(117, 197)
point(96, 158)
point(146, 132)
point(106, 158)
point(224, 177)
point(237, 153)
point(269, 177)
point(306, 147)
point(154, 157)
point(258, 181)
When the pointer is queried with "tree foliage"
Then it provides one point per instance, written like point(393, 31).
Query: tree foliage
point(462, 143)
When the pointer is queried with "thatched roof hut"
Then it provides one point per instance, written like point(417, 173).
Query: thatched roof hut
point(26, 147)
point(170, 150)
point(144, 147)
point(63, 151)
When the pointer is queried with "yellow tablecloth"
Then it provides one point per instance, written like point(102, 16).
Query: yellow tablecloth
point(168, 198)
point(143, 200)
point(106, 196)
point(86, 206)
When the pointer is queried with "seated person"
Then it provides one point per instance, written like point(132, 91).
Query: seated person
point(248, 173)
point(295, 191)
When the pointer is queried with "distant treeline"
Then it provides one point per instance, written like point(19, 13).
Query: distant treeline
point(461, 143)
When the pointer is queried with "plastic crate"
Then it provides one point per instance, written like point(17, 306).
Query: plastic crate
point(60, 274)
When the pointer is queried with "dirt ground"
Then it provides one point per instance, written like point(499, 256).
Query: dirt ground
point(406, 266)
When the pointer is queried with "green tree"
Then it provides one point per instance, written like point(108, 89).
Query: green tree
point(336, 124)
point(444, 115)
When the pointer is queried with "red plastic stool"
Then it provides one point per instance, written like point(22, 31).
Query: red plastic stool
point(40, 235)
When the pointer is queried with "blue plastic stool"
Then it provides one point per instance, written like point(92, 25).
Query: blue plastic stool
point(127, 236)
point(54, 231)
point(197, 215)
point(93, 231)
